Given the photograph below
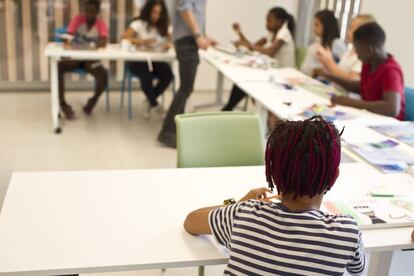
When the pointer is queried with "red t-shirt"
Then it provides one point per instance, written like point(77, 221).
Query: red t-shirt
point(388, 77)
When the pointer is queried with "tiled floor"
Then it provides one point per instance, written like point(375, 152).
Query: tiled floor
point(102, 142)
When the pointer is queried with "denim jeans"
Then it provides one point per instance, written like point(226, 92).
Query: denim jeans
point(188, 59)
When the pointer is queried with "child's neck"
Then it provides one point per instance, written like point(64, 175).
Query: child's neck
point(301, 203)
point(378, 59)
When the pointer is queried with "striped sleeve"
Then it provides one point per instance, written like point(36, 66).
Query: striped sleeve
point(221, 223)
point(357, 264)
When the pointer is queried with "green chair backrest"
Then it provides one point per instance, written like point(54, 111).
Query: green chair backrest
point(219, 139)
point(300, 54)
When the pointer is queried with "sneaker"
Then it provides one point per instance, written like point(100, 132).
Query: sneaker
point(147, 109)
point(159, 109)
point(68, 111)
point(168, 139)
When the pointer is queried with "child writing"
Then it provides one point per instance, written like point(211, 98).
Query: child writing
point(382, 83)
point(90, 28)
point(327, 36)
point(151, 31)
point(292, 237)
point(280, 45)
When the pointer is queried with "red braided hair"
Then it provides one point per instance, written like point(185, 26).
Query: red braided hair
point(302, 157)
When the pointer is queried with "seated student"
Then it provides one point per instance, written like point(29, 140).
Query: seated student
point(327, 36)
point(89, 28)
point(382, 83)
point(150, 32)
point(349, 66)
point(292, 237)
point(280, 45)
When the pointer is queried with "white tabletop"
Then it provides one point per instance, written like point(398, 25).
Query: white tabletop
point(78, 222)
point(111, 52)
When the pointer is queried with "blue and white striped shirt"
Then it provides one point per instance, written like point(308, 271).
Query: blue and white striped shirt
point(268, 239)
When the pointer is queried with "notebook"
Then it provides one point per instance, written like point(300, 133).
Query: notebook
point(374, 213)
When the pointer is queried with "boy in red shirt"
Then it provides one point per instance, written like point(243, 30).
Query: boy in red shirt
point(382, 83)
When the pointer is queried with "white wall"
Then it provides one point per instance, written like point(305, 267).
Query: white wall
point(396, 17)
point(250, 14)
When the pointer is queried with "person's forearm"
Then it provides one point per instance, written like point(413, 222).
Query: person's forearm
point(261, 42)
point(190, 21)
point(379, 107)
point(335, 70)
point(137, 41)
point(263, 50)
point(196, 222)
point(102, 41)
point(350, 85)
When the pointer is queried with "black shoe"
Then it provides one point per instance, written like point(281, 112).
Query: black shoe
point(88, 108)
point(168, 139)
point(68, 111)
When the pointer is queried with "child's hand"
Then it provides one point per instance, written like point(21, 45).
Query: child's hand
point(325, 56)
point(236, 27)
point(321, 72)
point(341, 100)
point(257, 194)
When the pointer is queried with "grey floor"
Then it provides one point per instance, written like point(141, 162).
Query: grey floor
point(101, 142)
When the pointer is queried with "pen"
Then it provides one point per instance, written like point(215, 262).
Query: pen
point(381, 195)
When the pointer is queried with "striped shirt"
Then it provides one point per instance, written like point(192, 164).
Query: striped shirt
point(268, 239)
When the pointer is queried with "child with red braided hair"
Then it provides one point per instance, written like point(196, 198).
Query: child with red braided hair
point(293, 236)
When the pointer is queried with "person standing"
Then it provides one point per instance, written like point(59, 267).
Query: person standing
point(189, 36)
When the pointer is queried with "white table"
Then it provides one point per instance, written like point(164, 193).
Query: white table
point(55, 52)
point(56, 223)
point(273, 97)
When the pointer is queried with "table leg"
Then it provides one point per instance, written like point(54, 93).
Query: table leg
point(219, 93)
point(54, 94)
point(380, 263)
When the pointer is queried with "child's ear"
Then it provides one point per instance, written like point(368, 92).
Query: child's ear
point(336, 175)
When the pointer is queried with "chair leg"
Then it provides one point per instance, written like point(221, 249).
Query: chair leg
point(107, 98)
point(173, 88)
point(123, 88)
point(246, 103)
point(129, 98)
point(201, 271)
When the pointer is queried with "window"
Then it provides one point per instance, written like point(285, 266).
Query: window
point(344, 10)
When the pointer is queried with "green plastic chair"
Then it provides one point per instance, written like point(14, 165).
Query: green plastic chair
point(300, 54)
point(219, 139)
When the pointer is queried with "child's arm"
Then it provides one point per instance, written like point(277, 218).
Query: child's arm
point(350, 85)
point(325, 56)
point(389, 106)
point(357, 264)
point(196, 222)
point(132, 37)
point(270, 51)
point(102, 41)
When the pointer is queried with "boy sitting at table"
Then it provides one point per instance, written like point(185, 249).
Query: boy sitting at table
point(90, 29)
point(382, 83)
point(290, 237)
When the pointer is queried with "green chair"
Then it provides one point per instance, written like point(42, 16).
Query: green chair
point(219, 139)
point(300, 54)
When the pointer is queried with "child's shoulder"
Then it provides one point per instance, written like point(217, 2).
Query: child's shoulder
point(311, 217)
point(339, 222)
